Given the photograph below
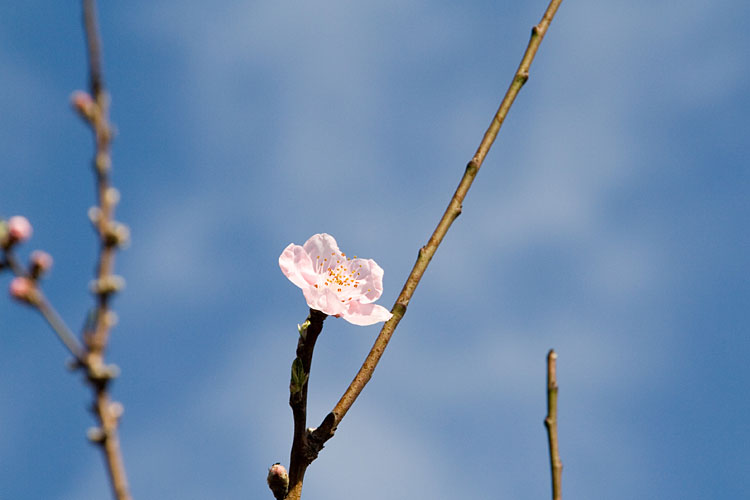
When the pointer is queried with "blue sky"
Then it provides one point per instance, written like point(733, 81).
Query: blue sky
point(610, 221)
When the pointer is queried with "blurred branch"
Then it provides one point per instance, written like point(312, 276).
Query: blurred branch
point(93, 45)
point(95, 110)
point(451, 213)
point(111, 234)
point(12, 263)
point(38, 300)
point(550, 422)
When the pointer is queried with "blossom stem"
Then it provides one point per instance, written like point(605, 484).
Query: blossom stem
point(302, 453)
point(451, 213)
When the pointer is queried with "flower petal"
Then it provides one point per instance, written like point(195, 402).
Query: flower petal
point(371, 275)
point(296, 265)
point(324, 300)
point(366, 314)
point(322, 245)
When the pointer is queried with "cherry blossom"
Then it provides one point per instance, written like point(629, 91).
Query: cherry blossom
point(333, 283)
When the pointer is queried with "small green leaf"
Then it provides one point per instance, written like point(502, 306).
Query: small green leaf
point(299, 377)
point(302, 329)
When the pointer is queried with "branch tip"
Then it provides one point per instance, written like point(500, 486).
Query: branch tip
point(550, 422)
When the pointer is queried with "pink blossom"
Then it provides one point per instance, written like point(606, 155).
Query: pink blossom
point(333, 283)
point(19, 228)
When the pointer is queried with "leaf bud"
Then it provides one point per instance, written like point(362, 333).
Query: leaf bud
point(19, 229)
point(41, 263)
point(83, 104)
point(24, 290)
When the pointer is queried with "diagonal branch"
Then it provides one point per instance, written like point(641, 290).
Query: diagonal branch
point(40, 302)
point(451, 213)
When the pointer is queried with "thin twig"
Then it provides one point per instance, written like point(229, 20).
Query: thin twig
point(55, 321)
point(550, 422)
point(93, 46)
point(106, 284)
point(451, 213)
point(107, 197)
point(94, 108)
point(66, 336)
point(12, 263)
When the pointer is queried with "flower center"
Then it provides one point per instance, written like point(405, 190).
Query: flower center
point(339, 274)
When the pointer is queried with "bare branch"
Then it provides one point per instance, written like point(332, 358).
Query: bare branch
point(111, 235)
point(302, 453)
point(550, 422)
point(451, 213)
point(40, 302)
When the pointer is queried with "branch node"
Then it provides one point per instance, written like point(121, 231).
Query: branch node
point(100, 374)
point(316, 437)
point(103, 163)
point(458, 211)
point(107, 285)
point(116, 235)
point(116, 409)
point(96, 435)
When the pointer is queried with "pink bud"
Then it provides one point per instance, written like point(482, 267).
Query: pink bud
point(278, 481)
point(22, 288)
point(19, 228)
point(277, 470)
point(82, 103)
point(41, 262)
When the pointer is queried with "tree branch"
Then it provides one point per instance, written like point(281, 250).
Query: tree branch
point(111, 235)
point(550, 422)
point(451, 213)
point(39, 301)
point(302, 453)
